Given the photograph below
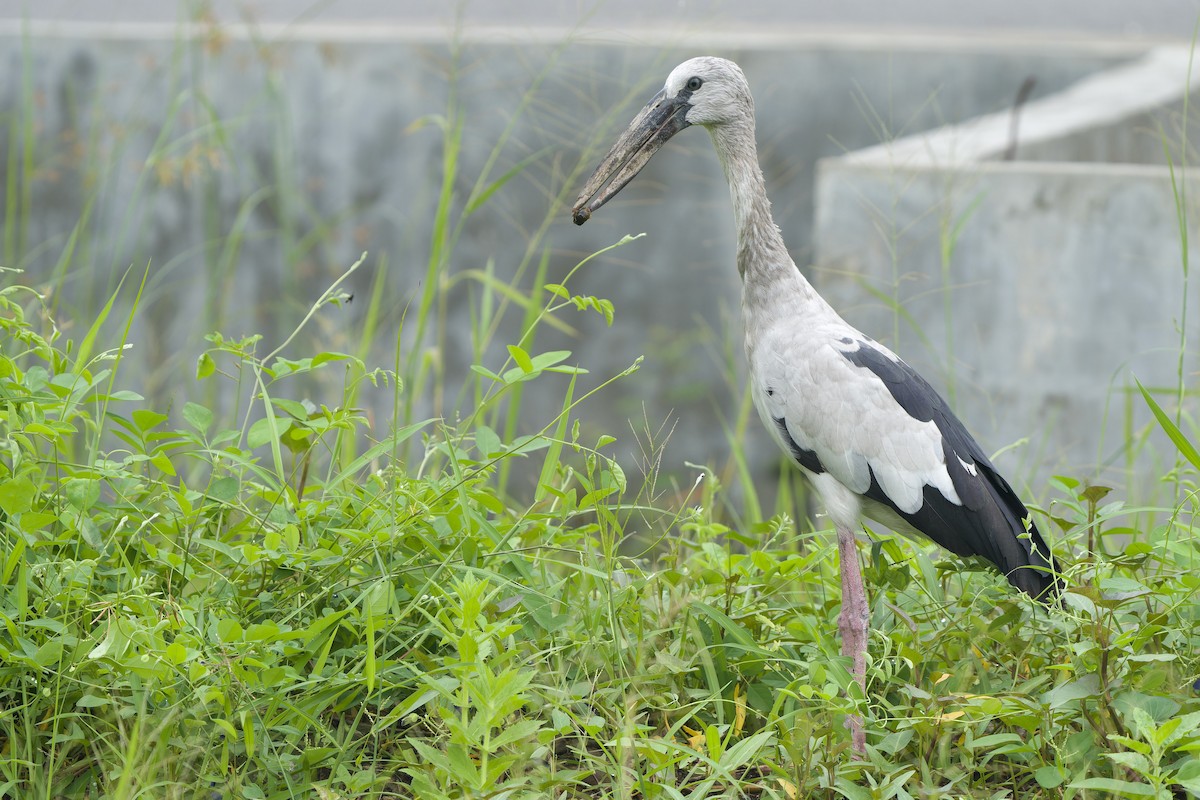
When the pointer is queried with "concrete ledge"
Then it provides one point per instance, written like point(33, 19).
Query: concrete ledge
point(1158, 79)
point(965, 41)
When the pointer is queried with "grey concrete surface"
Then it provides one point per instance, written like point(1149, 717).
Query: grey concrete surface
point(1064, 281)
point(312, 146)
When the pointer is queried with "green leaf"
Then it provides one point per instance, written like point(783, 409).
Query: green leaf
point(293, 408)
point(513, 733)
point(1188, 775)
point(313, 756)
point(229, 630)
point(205, 366)
point(176, 653)
point(726, 623)
point(17, 495)
point(1156, 707)
point(995, 740)
point(1182, 443)
point(49, 654)
point(1115, 787)
point(1049, 777)
point(746, 749)
point(1087, 686)
point(1119, 588)
point(248, 732)
point(82, 493)
point(146, 420)
point(416, 700)
point(265, 430)
point(462, 767)
point(487, 442)
point(550, 358)
point(850, 790)
point(325, 358)
point(84, 353)
point(15, 557)
point(197, 416)
point(521, 358)
point(163, 464)
point(487, 373)
point(1134, 761)
point(224, 490)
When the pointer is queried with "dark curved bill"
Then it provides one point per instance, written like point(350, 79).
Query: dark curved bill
point(661, 119)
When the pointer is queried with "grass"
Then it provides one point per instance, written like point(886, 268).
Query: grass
point(273, 597)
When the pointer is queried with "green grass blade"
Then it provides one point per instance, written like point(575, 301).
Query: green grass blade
point(1177, 437)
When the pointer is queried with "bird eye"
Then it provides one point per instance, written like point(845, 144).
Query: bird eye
point(694, 83)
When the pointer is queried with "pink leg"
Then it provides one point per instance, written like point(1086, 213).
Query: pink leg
point(852, 624)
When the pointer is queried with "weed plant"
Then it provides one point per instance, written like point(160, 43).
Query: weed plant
point(296, 600)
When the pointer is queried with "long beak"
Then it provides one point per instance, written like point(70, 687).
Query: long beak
point(661, 119)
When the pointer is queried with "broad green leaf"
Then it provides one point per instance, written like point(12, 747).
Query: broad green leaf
point(17, 495)
point(49, 654)
point(515, 732)
point(1049, 777)
point(197, 416)
point(146, 420)
point(1156, 708)
point(487, 442)
point(1188, 775)
point(224, 490)
point(1134, 761)
point(205, 366)
point(176, 653)
point(265, 430)
point(92, 701)
point(229, 630)
point(521, 358)
point(82, 493)
point(1086, 686)
point(163, 464)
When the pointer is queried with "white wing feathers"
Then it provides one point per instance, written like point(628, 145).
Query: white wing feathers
point(845, 415)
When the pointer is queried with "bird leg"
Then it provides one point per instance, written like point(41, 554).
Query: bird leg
point(852, 624)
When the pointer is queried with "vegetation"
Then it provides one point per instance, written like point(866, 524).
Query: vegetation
point(288, 599)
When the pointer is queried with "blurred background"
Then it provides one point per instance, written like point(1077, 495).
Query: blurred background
point(1000, 192)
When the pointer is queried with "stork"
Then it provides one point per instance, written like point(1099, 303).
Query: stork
point(869, 433)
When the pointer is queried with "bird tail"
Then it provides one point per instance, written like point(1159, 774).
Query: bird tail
point(1025, 560)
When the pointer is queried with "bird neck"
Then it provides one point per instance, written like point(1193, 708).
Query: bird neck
point(762, 256)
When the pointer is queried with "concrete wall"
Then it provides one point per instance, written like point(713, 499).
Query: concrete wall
point(1062, 280)
point(308, 149)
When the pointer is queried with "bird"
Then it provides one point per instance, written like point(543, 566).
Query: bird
point(873, 437)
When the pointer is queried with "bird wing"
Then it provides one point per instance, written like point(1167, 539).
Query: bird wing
point(843, 404)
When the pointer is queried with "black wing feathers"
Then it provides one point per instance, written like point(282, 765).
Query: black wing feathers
point(992, 520)
point(805, 458)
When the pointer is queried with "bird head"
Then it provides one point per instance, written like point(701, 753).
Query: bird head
point(704, 91)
